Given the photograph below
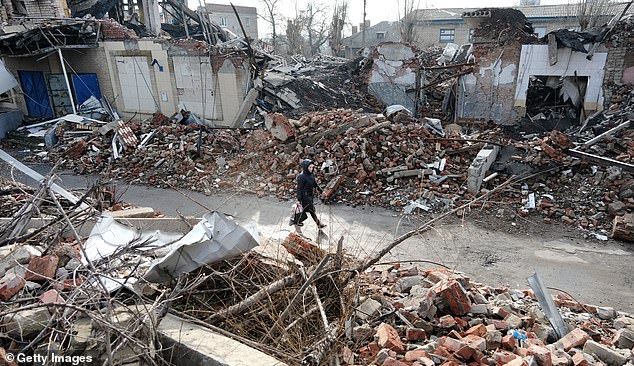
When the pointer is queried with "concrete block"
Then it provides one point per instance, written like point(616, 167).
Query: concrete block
point(369, 308)
point(362, 333)
point(406, 283)
point(479, 309)
point(26, 323)
point(624, 338)
point(21, 255)
point(480, 166)
point(605, 353)
point(138, 212)
point(190, 344)
point(606, 313)
point(624, 322)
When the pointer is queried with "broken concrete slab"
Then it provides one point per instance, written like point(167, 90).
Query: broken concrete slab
point(191, 344)
point(368, 309)
point(606, 354)
point(26, 323)
point(480, 166)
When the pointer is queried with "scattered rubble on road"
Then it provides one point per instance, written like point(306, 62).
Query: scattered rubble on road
point(367, 159)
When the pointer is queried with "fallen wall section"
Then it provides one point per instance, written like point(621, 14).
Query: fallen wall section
point(393, 75)
point(191, 344)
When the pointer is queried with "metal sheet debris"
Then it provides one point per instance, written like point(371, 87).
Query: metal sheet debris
point(214, 238)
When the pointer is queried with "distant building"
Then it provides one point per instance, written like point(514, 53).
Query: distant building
point(437, 27)
point(225, 16)
point(378, 33)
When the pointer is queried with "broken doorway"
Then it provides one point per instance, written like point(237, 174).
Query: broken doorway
point(554, 102)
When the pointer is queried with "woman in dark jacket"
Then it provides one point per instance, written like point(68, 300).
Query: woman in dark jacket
point(306, 186)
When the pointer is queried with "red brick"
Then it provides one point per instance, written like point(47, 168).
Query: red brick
point(504, 357)
point(415, 334)
point(51, 297)
point(461, 322)
point(454, 297)
point(501, 312)
point(500, 324)
point(302, 249)
point(452, 345)
point(578, 359)
point(424, 361)
point(476, 342)
point(559, 361)
point(575, 338)
point(10, 284)
point(370, 351)
point(479, 330)
point(516, 362)
point(333, 186)
point(533, 342)
point(42, 268)
point(541, 354)
point(415, 355)
point(389, 338)
point(465, 352)
point(509, 342)
point(393, 362)
point(447, 321)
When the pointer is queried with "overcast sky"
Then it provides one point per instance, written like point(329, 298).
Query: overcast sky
point(377, 10)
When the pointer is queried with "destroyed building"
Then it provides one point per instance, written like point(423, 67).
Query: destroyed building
point(427, 145)
point(137, 69)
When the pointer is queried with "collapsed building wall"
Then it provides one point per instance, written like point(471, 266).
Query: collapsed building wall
point(486, 92)
point(394, 73)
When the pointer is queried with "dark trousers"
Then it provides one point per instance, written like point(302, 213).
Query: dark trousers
point(309, 208)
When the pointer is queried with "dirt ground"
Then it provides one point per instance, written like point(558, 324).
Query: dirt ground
point(493, 247)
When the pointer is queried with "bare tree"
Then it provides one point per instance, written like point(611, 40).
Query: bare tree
point(593, 13)
point(294, 37)
point(272, 17)
point(339, 17)
point(407, 21)
point(316, 27)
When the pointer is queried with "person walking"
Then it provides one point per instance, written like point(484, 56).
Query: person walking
point(306, 186)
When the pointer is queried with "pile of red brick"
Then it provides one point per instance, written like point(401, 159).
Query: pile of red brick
point(438, 317)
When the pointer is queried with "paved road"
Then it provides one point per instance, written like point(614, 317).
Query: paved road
point(594, 272)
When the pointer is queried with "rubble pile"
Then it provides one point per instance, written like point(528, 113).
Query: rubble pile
point(430, 317)
point(364, 159)
point(402, 163)
point(503, 24)
point(316, 84)
point(169, 154)
point(57, 303)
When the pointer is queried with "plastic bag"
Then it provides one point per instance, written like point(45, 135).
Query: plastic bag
point(296, 213)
